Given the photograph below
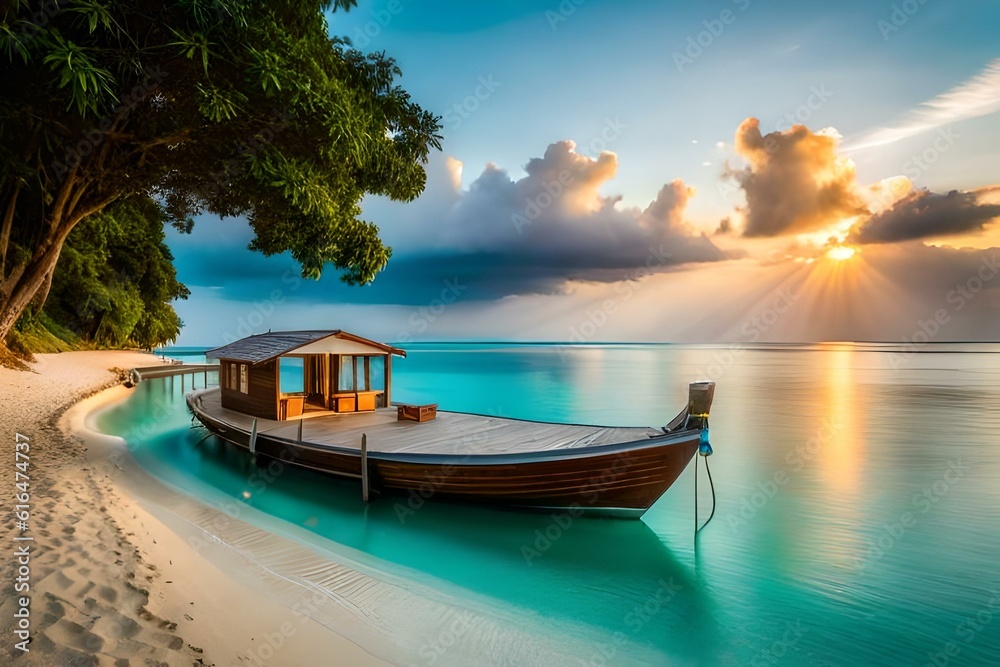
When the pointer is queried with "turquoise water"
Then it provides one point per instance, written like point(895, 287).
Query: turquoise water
point(189, 355)
point(858, 518)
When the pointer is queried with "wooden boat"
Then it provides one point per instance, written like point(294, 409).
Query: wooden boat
point(619, 479)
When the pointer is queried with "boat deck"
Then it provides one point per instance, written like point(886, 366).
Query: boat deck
point(450, 433)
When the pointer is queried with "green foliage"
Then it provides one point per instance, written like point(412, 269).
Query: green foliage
point(40, 334)
point(89, 86)
point(119, 117)
point(232, 107)
point(115, 281)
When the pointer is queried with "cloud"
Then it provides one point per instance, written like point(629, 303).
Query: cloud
point(794, 181)
point(500, 237)
point(531, 235)
point(924, 214)
point(979, 96)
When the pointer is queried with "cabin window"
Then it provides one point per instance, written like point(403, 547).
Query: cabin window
point(244, 388)
point(347, 376)
point(376, 377)
point(232, 383)
point(356, 372)
point(291, 372)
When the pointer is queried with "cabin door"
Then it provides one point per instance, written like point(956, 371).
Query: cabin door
point(316, 382)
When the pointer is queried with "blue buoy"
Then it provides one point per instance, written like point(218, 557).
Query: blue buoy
point(705, 447)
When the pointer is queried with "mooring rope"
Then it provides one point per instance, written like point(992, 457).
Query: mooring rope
point(704, 450)
point(712, 485)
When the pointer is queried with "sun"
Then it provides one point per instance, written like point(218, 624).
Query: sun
point(841, 253)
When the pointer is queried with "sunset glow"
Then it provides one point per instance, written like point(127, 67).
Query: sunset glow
point(841, 253)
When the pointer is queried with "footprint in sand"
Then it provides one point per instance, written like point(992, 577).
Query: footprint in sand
point(115, 626)
point(67, 633)
point(53, 611)
point(57, 580)
point(107, 593)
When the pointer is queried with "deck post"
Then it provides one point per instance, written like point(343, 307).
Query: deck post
point(364, 466)
point(253, 437)
point(300, 431)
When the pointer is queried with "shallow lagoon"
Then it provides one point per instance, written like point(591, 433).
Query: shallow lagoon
point(858, 519)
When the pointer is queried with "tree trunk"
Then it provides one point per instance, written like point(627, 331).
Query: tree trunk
point(27, 287)
point(42, 294)
point(8, 225)
point(18, 290)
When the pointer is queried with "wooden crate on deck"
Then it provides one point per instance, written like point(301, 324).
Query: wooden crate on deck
point(417, 413)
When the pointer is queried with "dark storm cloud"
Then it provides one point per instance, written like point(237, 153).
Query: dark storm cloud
point(930, 271)
point(924, 214)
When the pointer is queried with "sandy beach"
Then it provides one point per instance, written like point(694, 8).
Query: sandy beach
point(114, 579)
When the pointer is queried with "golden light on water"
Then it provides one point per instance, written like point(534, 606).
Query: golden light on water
point(841, 253)
point(841, 453)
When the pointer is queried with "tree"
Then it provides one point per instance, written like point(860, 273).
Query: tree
point(115, 279)
point(223, 106)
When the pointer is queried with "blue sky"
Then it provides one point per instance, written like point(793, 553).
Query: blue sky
point(631, 78)
point(563, 79)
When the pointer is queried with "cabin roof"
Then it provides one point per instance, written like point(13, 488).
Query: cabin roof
point(267, 346)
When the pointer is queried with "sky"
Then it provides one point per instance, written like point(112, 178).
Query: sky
point(735, 171)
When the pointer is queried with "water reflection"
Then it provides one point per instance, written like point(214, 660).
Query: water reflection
point(841, 451)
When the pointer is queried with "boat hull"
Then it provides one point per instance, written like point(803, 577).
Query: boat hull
point(621, 480)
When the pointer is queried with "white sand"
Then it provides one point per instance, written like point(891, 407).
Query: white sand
point(114, 578)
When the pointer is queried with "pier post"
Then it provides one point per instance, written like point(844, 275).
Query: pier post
point(300, 431)
point(253, 437)
point(364, 466)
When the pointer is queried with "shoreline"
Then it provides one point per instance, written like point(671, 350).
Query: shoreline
point(114, 576)
point(131, 570)
point(331, 587)
point(211, 566)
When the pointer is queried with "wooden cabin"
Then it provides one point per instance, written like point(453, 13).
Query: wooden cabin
point(285, 374)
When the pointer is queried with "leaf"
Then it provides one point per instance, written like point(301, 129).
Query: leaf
point(94, 13)
point(218, 105)
point(90, 86)
point(11, 43)
point(193, 45)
